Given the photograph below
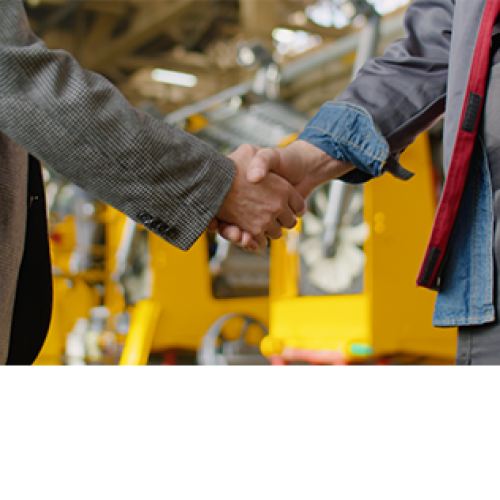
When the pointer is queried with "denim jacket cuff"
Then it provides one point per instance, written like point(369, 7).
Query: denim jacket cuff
point(347, 132)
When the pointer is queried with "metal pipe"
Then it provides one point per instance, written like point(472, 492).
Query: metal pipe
point(367, 47)
point(198, 107)
point(58, 16)
point(367, 43)
point(389, 28)
point(141, 332)
point(122, 255)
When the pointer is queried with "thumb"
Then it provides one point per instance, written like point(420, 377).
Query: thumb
point(266, 160)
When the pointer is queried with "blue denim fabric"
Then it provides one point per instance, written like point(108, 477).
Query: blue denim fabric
point(466, 293)
point(347, 132)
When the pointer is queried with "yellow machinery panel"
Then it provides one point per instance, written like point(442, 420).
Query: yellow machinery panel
point(390, 315)
point(179, 305)
point(182, 288)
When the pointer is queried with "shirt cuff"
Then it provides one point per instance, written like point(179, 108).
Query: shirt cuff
point(348, 133)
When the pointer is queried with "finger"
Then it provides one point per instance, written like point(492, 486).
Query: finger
point(296, 203)
point(266, 160)
point(261, 241)
point(253, 247)
point(287, 219)
point(244, 153)
point(247, 240)
point(230, 233)
point(274, 230)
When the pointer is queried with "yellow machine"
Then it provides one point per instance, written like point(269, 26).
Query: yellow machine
point(389, 315)
point(109, 309)
point(182, 305)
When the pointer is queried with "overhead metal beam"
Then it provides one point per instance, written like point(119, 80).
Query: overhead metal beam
point(58, 16)
point(389, 28)
point(149, 23)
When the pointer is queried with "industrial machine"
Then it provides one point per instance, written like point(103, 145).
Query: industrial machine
point(360, 303)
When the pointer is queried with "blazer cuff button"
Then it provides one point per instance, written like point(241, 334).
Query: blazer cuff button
point(145, 217)
point(162, 228)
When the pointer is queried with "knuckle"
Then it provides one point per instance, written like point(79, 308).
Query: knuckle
point(255, 231)
point(276, 205)
point(248, 149)
point(265, 152)
point(267, 219)
point(281, 205)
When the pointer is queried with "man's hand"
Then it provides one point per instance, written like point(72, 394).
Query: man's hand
point(254, 211)
point(305, 166)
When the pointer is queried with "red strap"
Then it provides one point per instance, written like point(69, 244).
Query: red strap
point(462, 151)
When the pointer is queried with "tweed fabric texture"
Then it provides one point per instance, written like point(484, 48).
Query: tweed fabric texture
point(80, 125)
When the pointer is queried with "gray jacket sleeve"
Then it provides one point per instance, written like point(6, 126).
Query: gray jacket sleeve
point(405, 89)
point(80, 125)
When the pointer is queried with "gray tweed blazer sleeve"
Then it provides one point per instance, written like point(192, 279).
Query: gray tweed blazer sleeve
point(80, 125)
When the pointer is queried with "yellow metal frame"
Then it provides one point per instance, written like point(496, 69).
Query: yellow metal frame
point(178, 313)
point(181, 306)
point(182, 285)
point(140, 335)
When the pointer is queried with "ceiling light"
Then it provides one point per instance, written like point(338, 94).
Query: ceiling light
point(246, 56)
point(283, 35)
point(174, 77)
point(298, 18)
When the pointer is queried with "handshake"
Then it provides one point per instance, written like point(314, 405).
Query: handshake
point(269, 190)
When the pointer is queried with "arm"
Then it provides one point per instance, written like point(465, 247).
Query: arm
point(80, 124)
point(393, 97)
point(361, 134)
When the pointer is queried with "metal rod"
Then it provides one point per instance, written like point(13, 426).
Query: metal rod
point(58, 16)
point(367, 47)
point(331, 52)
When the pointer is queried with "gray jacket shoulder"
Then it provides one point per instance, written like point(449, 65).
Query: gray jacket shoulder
point(405, 89)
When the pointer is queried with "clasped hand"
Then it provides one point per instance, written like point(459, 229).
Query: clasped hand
point(269, 191)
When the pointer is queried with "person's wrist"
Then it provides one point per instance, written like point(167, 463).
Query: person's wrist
point(226, 209)
point(321, 167)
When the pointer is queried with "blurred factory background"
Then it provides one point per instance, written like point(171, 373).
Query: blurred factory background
point(127, 40)
point(234, 72)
